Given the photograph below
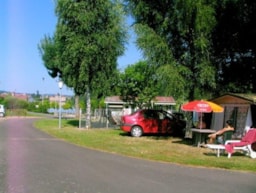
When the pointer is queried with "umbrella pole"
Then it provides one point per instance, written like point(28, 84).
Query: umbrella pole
point(201, 120)
point(200, 127)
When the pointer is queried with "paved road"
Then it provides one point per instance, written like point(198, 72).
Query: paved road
point(33, 162)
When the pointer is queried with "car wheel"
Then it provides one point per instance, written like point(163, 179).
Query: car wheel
point(136, 131)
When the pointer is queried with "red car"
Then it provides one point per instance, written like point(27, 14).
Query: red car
point(146, 121)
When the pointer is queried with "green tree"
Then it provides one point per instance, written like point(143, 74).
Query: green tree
point(210, 44)
point(178, 34)
point(2, 101)
point(15, 103)
point(68, 104)
point(235, 46)
point(138, 84)
point(89, 37)
point(164, 69)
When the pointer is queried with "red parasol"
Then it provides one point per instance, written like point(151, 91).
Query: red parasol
point(202, 106)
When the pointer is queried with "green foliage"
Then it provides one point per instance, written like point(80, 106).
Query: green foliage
point(235, 46)
point(209, 39)
point(176, 35)
point(38, 107)
point(11, 102)
point(16, 112)
point(98, 103)
point(137, 84)
point(89, 37)
point(48, 51)
point(171, 83)
point(14, 106)
point(190, 46)
point(2, 101)
point(69, 104)
point(154, 47)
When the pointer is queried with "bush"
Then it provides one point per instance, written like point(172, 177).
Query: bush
point(16, 112)
point(14, 103)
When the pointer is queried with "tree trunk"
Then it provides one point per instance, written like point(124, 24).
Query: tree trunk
point(88, 109)
point(77, 105)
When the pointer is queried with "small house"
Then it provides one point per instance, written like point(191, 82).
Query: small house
point(241, 108)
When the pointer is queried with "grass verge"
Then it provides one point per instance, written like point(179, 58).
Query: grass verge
point(159, 148)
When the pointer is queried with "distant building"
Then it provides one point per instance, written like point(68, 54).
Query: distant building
point(20, 96)
point(56, 99)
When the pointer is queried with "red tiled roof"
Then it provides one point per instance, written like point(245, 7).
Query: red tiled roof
point(114, 99)
point(15, 95)
point(20, 96)
point(164, 100)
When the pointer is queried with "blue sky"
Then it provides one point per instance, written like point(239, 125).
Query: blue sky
point(23, 24)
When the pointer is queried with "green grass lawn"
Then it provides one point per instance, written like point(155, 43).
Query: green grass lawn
point(159, 148)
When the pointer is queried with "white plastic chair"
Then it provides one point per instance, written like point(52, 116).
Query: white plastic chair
point(247, 149)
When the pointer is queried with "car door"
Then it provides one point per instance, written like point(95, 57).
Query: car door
point(150, 121)
point(165, 123)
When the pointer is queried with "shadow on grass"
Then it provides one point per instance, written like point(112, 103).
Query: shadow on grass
point(94, 124)
point(184, 141)
point(74, 123)
point(152, 136)
point(124, 134)
point(159, 136)
point(224, 154)
point(214, 154)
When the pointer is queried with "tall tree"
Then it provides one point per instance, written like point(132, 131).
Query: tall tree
point(90, 35)
point(211, 44)
point(235, 45)
point(184, 28)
